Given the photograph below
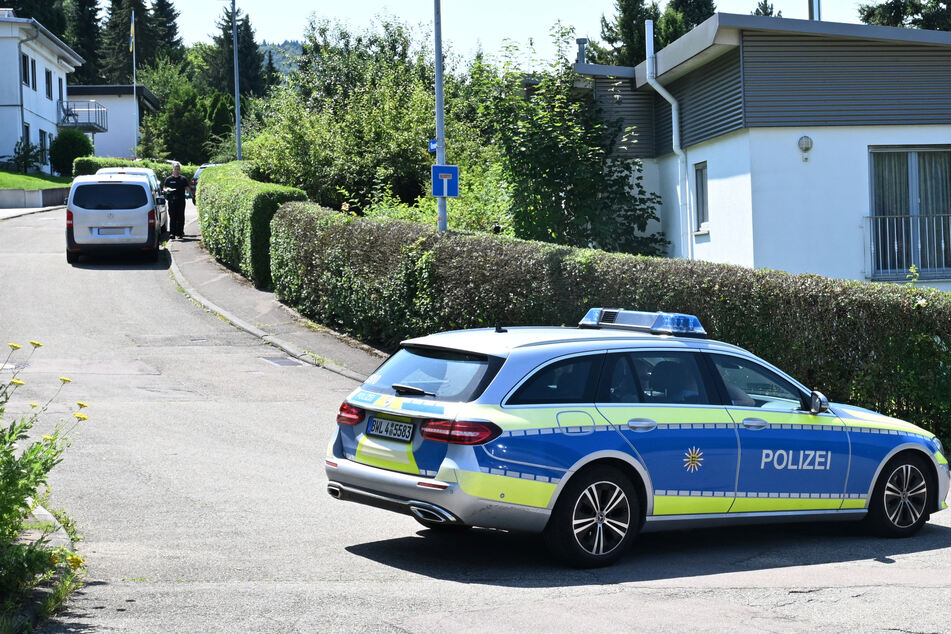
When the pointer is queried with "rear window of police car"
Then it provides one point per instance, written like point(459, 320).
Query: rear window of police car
point(450, 375)
point(111, 196)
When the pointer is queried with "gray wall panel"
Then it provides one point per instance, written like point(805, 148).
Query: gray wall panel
point(620, 102)
point(809, 80)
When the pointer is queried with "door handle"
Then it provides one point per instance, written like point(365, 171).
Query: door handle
point(641, 424)
point(754, 423)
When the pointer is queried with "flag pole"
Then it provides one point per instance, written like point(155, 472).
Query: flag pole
point(135, 96)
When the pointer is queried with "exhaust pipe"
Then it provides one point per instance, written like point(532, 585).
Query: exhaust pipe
point(431, 513)
point(334, 490)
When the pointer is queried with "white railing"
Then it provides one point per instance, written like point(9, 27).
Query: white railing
point(898, 242)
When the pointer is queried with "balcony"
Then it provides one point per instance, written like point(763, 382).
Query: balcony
point(897, 242)
point(86, 116)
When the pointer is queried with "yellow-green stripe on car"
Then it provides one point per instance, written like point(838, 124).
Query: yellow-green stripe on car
point(387, 454)
point(504, 489)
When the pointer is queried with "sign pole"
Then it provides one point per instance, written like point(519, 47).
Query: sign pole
point(237, 89)
point(135, 91)
point(443, 220)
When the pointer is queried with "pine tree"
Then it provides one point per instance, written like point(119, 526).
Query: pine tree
point(624, 35)
point(271, 76)
point(83, 35)
point(164, 19)
point(49, 13)
point(218, 71)
point(115, 56)
point(693, 11)
point(766, 8)
point(919, 14)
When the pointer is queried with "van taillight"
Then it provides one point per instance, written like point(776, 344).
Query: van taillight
point(151, 217)
point(348, 414)
point(69, 218)
point(460, 432)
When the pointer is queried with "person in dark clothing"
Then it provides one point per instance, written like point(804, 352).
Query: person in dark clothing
point(175, 187)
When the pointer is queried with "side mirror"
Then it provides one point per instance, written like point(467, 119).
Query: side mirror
point(160, 200)
point(818, 403)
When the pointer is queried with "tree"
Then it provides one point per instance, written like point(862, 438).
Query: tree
point(49, 13)
point(766, 8)
point(182, 126)
point(271, 75)
point(217, 73)
point(693, 11)
point(624, 35)
point(114, 55)
point(671, 26)
point(66, 147)
point(151, 144)
point(164, 19)
point(83, 35)
point(919, 14)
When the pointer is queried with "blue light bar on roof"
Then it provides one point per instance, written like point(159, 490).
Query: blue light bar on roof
point(677, 324)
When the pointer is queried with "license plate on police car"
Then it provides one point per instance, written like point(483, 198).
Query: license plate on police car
point(392, 429)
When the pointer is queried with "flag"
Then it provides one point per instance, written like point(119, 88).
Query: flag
point(132, 33)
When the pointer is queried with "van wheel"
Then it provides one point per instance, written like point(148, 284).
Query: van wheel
point(72, 257)
point(595, 519)
point(902, 497)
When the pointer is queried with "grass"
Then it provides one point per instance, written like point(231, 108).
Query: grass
point(9, 180)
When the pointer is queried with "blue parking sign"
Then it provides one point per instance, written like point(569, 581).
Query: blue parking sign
point(446, 181)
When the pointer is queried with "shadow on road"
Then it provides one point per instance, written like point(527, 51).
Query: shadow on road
point(518, 560)
point(123, 262)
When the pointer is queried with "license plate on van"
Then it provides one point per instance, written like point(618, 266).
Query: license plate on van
point(392, 429)
point(111, 231)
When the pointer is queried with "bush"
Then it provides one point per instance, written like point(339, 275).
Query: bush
point(881, 346)
point(66, 147)
point(90, 164)
point(235, 214)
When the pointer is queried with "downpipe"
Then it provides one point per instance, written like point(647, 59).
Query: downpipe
point(685, 221)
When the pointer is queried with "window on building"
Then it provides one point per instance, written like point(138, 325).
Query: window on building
point(26, 132)
point(59, 80)
point(700, 178)
point(25, 68)
point(49, 84)
point(911, 210)
point(33, 73)
point(43, 147)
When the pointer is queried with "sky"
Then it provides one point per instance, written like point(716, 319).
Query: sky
point(466, 24)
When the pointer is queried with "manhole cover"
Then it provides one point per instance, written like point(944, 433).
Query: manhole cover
point(283, 361)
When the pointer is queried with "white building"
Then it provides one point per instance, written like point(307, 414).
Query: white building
point(32, 82)
point(809, 147)
point(120, 139)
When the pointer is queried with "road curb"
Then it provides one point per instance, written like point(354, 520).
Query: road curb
point(289, 348)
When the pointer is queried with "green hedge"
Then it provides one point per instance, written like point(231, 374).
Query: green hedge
point(881, 346)
point(235, 214)
point(91, 164)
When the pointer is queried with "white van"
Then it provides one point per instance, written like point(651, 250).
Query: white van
point(153, 181)
point(112, 212)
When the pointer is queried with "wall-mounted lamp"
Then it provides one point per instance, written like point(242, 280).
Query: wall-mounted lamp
point(805, 144)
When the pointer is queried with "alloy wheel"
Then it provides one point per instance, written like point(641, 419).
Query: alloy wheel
point(906, 494)
point(601, 518)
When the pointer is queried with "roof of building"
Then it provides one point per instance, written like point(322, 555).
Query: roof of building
point(66, 54)
point(721, 32)
point(115, 89)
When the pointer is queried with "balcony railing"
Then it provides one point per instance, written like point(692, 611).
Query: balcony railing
point(87, 116)
point(898, 242)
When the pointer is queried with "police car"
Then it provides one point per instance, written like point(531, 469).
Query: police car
point(632, 422)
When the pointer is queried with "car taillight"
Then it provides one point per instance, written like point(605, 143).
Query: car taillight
point(460, 432)
point(151, 217)
point(69, 218)
point(348, 414)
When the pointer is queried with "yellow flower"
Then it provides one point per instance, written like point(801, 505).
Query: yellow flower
point(345, 207)
point(47, 438)
point(75, 561)
point(34, 404)
point(81, 416)
point(17, 382)
point(81, 404)
point(14, 346)
point(36, 344)
point(65, 379)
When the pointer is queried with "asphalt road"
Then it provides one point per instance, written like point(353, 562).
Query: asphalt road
point(198, 487)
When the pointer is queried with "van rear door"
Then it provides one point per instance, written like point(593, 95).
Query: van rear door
point(111, 212)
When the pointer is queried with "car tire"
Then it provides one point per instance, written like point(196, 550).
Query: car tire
point(72, 257)
point(903, 497)
point(595, 519)
point(443, 527)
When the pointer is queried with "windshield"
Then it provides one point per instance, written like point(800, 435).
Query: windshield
point(446, 375)
point(110, 196)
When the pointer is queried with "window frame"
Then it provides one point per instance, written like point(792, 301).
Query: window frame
point(701, 196)
point(33, 73)
point(44, 147)
point(59, 81)
point(48, 76)
point(725, 399)
point(26, 132)
point(25, 69)
point(713, 394)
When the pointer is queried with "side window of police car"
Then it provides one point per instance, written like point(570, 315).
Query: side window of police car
point(570, 380)
point(652, 377)
point(751, 385)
